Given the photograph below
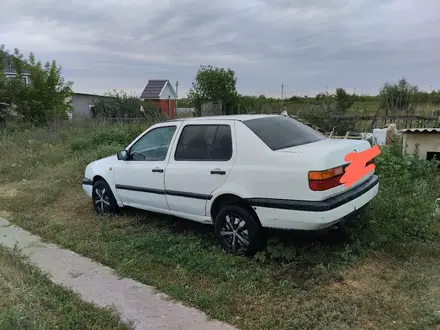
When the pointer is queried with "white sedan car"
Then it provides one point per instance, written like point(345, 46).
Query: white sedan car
point(239, 173)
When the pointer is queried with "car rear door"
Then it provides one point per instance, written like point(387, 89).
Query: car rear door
point(201, 161)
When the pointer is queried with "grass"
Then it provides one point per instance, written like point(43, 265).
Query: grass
point(359, 107)
point(29, 300)
point(385, 274)
point(362, 108)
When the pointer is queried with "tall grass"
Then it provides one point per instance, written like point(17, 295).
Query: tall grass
point(403, 208)
point(336, 280)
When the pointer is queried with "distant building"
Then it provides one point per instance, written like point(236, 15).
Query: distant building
point(161, 93)
point(82, 104)
point(9, 71)
point(427, 139)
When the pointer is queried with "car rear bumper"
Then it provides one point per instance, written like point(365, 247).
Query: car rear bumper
point(314, 215)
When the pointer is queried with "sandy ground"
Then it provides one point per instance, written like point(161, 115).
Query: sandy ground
point(136, 302)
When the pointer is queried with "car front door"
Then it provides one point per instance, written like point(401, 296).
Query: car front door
point(204, 155)
point(139, 180)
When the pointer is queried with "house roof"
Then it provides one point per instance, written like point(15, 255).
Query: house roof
point(154, 88)
point(421, 130)
point(88, 94)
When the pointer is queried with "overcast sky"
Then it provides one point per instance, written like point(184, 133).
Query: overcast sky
point(304, 44)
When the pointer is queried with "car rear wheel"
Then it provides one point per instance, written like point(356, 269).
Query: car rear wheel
point(104, 201)
point(238, 230)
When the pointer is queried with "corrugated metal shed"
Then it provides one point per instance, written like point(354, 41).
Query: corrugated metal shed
point(421, 130)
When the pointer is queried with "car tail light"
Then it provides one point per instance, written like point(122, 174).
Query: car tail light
point(324, 180)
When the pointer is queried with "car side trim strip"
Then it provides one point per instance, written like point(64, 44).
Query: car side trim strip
point(316, 206)
point(141, 189)
point(165, 192)
point(188, 194)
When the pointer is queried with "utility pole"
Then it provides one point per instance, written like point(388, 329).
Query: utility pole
point(177, 92)
point(282, 94)
point(326, 90)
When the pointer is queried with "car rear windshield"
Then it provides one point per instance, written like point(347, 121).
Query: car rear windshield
point(281, 132)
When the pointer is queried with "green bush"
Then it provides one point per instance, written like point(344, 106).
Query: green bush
point(403, 210)
point(120, 135)
point(122, 105)
point(278, 249)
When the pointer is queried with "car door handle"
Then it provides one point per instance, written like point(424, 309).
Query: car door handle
point(220, 172)
point(157, 170)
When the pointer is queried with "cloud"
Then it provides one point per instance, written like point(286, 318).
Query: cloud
point(303, 44)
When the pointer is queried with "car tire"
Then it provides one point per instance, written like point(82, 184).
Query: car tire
point(104, 201)
point(238, 230)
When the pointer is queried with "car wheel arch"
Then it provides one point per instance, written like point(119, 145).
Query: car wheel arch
point(110, 184)
point(98, 177)
point(225, 199)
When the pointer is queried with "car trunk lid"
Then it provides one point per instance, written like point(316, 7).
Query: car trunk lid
point(329, 154)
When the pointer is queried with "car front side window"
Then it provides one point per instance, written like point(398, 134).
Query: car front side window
point(154, 145)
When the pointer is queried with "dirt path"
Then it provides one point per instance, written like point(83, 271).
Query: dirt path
point(136, 302)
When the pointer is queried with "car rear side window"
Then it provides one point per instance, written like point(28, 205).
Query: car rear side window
point(204, 143)
point(279, 132)
point(221, 148)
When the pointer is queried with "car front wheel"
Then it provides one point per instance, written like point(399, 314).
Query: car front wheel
point(104, 201)
point(238, 231)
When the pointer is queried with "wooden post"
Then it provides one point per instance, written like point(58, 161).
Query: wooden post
point(391, 130)
point(388, 138)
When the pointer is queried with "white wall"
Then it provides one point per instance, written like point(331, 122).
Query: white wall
point(167, 91)
point(12, 75)
point(428, 142)
point(81, 103)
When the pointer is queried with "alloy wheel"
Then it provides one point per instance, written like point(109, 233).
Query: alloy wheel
point(102, 200)
point(234, 233)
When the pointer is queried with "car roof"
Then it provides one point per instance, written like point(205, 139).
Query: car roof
point(225, 117)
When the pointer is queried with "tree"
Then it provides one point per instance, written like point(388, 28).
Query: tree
point(322, 98)
point(46, 95)
point(327, 112)
point(328, 116)
point(343, 100)
point(397, 97)
point(214, 84)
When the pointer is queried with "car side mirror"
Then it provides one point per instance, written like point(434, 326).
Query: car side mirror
point(122, 155)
